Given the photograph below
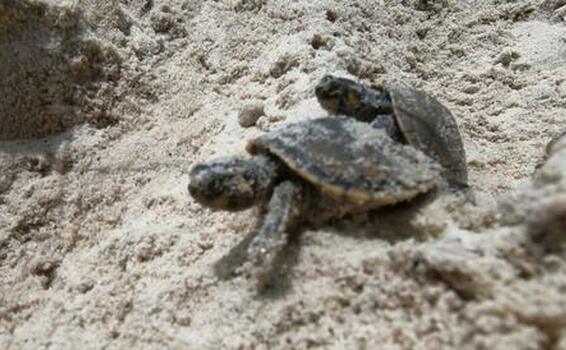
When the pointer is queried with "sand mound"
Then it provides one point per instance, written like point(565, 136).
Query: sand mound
point(52, 67)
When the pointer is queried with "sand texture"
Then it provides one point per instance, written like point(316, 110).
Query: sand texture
point(107, 104)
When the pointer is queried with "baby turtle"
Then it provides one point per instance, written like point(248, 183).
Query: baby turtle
point(408, 115)
point(313, 171)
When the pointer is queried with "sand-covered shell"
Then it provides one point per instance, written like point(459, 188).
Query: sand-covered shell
point(347, 160)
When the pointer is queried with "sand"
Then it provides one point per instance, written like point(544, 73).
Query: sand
point(107, 104)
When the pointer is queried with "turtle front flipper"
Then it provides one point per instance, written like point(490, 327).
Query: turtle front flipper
point(283, 212)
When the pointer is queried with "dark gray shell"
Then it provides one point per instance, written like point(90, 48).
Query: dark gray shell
point(347, 160)
point(429, 126)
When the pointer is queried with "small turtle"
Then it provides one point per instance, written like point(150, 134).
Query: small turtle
point(310, 172)
point(408, 115)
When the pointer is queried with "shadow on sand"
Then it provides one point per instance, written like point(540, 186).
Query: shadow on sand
point(274, 280)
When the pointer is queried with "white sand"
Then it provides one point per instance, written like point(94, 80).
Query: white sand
point(109, 103)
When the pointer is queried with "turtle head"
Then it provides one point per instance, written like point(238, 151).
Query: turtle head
point(232, 183)
point(331, 92)
point(347, 97)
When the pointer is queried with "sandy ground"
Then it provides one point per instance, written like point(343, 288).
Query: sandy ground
point(106, 105)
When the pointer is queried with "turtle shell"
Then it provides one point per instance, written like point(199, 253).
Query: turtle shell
point(429, 126)
point(350, 161)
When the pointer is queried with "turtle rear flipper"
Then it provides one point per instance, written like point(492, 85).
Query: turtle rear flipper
point(283, 212)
